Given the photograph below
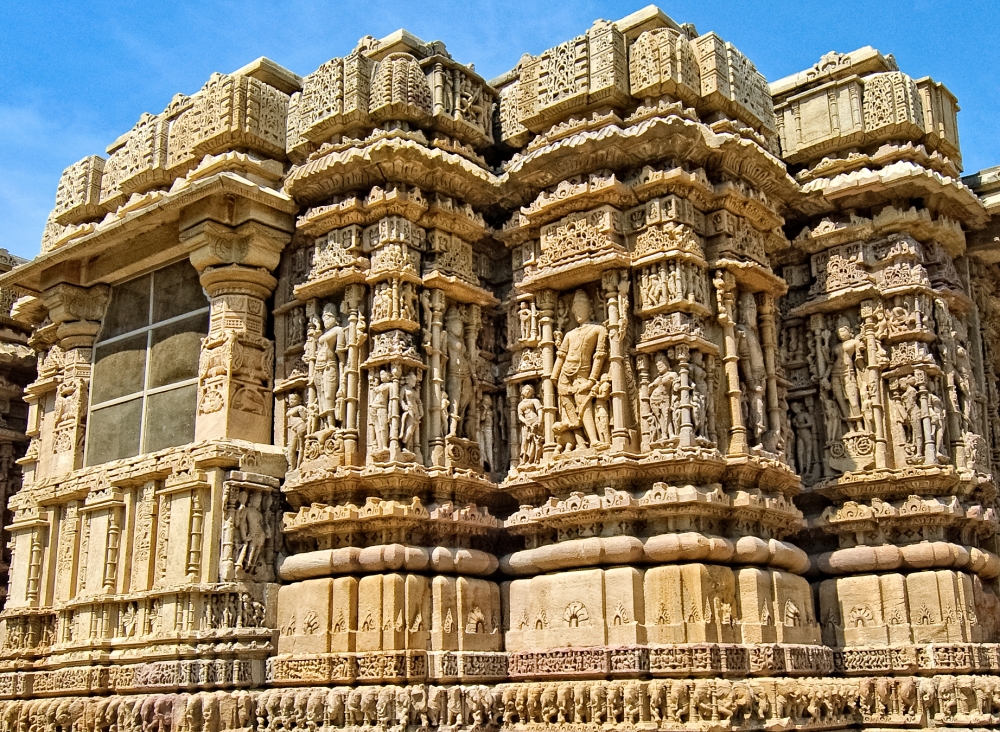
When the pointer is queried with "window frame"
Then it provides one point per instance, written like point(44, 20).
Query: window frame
point(146, 391)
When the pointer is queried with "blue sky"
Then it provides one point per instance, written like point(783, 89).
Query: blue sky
point(75, 75)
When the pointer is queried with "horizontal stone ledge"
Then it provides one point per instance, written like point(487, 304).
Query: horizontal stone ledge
point(926, 555)
point(690, 546)
point(378, 667)
point(772, 703)
point(387, 558)
point(167, 675)
point(676, 660)
point(933, 658)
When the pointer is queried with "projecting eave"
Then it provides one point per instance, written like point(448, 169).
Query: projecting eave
point(146, 236)
point(986, 185)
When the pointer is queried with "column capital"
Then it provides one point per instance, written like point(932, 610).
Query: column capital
point(250, 245)
point(77, 312)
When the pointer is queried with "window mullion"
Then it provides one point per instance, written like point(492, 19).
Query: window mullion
point(145, 378)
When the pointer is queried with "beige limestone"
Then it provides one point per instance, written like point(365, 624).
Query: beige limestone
point(622, 391)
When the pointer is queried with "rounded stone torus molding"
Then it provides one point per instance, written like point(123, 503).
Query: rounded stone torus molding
point(626, 391)
point(927, 555)
point(689, 546)
point(387, 558)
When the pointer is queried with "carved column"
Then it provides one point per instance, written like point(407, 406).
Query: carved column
point(725, 285)
point(873, 349)
point(769, 340)
point(76, 312)
point(235, 373)
point(437, 427)
point(546, 307)
point(357, 335)
point(615, 284)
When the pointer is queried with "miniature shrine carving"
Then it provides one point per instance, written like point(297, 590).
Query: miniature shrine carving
point(626, 390)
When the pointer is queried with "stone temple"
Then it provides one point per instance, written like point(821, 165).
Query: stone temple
point(625, 391)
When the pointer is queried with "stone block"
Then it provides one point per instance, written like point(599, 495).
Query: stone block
point(756, 605)
point(478, 603)
point(344, 615)
point(662, 63)
point(731, 84)
point(794, 620)
point(624, 606)
point(823, 119)
point(664, 604)
point(445, 617)
point(78, 195)
point(370, 613)
point(305, 617)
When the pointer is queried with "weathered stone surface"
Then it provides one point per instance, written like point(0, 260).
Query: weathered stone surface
point(622, 391)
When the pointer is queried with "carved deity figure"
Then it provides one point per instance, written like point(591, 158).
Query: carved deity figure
point(251, 530)
point(804, 426)
point(68, 401)
point(752, 367)
point(486, 430)
point(413, 413)
point(935, 410)
point(296, 423)
point(458, 373)
point(330, 376)
point(602, 409)
point(904, 411)
point(579, 363)
point(378, 406)
point(529, 414)
point(964, 380)
point(842, 375)
point(663, 399)
point(528, 319)
point(699, 394)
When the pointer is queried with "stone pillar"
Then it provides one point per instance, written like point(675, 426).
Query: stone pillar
point(76, 313)
point(725, 287)
point(615, 286)
point(235, 373)
point(547, 306)
point(769, 340)
point(437, 427)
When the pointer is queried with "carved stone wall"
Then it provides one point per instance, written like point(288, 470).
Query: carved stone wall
point(623, 391)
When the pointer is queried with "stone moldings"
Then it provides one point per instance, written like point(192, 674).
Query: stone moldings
point(622, 391)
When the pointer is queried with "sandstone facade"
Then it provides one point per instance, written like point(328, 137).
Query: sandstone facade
point(626, 390)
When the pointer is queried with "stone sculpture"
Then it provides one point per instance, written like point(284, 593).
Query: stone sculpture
point(577, 370)
point(625, 391)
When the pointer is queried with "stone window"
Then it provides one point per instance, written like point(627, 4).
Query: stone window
point(144, 388)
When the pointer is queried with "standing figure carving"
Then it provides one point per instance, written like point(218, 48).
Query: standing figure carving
point(329, 369)
point(752, 368)
point(378, 405)
point(841, 378)
point(486, 430)
point(458, 373)
point(579, 363)
point(251, 529)
point(529, 414)
point(413, 414)
point(804, 426)
point(662, 399)
point(297, 421)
